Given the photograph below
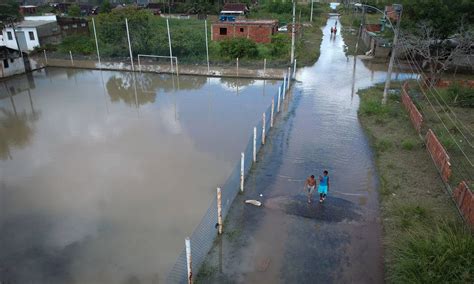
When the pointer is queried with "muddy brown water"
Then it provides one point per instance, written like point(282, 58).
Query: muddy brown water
point(103, 174)
point(288, 240)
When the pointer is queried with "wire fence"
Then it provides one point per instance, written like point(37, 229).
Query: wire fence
point(202, 238)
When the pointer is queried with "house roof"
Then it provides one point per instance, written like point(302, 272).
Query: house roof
point(235, 7)
point(6, 53)
point(33, 24)
point(249, 22)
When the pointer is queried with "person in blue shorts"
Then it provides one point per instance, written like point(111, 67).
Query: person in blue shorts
point(323, 186)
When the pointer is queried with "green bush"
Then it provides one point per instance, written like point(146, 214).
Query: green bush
point(238, 48)
point(280, 46)
point(408, 144)
point(383, 145)
point(77, 44)
point(458, 95)
point(441, 255)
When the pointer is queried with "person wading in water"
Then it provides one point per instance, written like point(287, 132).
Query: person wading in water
point(309, 185)
point(323, 186)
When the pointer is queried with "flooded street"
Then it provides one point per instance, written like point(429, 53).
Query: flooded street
point(289, 240)
point(103, 174)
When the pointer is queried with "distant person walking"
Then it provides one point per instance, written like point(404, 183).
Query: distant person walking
point(323, 186)
point(309, 185)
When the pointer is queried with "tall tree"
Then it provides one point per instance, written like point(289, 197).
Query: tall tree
point(9, 10)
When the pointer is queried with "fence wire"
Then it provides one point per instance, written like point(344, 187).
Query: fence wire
point(204, 234)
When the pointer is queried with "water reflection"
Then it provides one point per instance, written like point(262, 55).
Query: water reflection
point(97, 194)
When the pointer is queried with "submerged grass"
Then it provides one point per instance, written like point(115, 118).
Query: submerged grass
point(425, 240)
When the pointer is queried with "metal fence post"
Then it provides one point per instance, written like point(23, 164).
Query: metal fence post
point(254, 144)
point(169, 43)
point(263, 128)
point(219, 209)
point(271, 113)
point(207, 48)
point(96, 43)
point(242, 169)
point(45, 57)
point(278, 102)
point(187, 243)
point(72, 60)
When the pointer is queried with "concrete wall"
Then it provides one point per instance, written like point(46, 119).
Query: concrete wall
point(15, 66)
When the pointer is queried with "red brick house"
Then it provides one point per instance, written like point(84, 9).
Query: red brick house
point(259, 31)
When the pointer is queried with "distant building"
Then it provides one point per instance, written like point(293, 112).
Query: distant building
point(31, 34)
point(11, 62)
point(28, 10)
point(234, 9)
point(71, 26)
point(377, 45)
point(259, 31)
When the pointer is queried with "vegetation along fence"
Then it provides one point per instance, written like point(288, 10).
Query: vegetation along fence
point(200, 242)
point(462, 195)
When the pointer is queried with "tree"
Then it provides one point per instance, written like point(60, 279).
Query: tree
point(9, 10)
point(74, 11)
point(105, 7)
point(436, 54)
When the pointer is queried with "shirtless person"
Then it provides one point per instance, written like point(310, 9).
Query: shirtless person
point(309, 185)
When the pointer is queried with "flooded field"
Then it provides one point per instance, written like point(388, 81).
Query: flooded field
point(103, 174)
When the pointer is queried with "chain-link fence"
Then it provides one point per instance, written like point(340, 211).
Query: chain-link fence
point(203, 236)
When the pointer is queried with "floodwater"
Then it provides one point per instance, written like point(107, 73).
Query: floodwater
point(288, 240)
point(103, 174)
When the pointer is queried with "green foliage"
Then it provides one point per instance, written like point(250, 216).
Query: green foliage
point(77, 44)
point(74, 11)
point(9, 9)
point(441, 255)
point(239, 48)
point(281, 45)
point(444, 16)
point(408, 144)
point(458, 95)
point(383, 145)
point(105, 7)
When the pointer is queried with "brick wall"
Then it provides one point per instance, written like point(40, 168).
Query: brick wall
point(465, 201)
point(258, 33)
point(415, 115)
point(439, 155)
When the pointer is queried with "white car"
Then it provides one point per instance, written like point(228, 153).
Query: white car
point(283, 29)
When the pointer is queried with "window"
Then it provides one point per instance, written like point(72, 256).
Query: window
point(83, 24)
point(223, 31)
point(5, 63)
point(241, 30)
point(32, 35)
point(65, 27)
point(11, 60)
point(9, 35)
point(74, 26)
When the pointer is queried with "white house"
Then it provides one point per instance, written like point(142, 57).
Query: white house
point(31, 33)
point(11, 63)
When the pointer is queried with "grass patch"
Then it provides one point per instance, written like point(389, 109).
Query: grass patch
point(408, 144)
point(425, 239)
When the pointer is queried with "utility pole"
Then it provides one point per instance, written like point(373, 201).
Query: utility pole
point(399, 10)
point(293, 33)
point(311, 17)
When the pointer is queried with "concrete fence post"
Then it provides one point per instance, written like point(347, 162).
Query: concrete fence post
point(237, 66)
point(242, 169)
point(264, 67)
point(45, 57)
point(219, 210)
point(284, 88)
point(278, 102)
point(288, 78)
point(294, 70)
point(254, 144)
point(96, 43)
point(72, 60)
point(129, 44)
point(263, 128)
point(271, 113)
point(189, 262)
